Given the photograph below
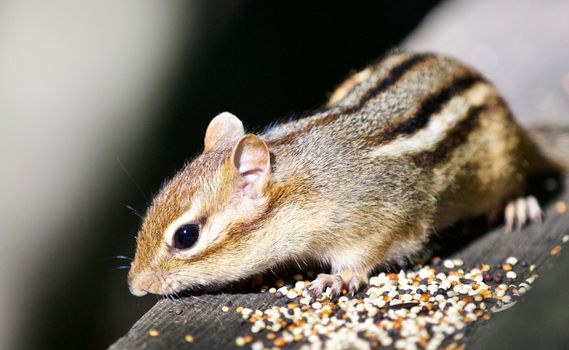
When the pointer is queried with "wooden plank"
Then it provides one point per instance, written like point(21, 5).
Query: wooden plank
point(211, 328)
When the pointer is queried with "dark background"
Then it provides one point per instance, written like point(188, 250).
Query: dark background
point(259, 60)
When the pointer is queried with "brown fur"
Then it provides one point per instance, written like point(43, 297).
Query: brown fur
point(330, 196)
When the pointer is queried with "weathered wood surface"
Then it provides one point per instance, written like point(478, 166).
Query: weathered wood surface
point(202, 316)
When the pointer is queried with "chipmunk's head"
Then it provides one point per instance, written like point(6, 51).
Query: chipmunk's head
point(201, 228)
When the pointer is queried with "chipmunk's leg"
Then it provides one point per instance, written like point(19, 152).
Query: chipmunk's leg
point(519, 211)
point(351, 281)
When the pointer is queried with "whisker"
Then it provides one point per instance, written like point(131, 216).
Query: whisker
point(133, 180)
point(134, 211)
point(123, 267)
point(121, 257)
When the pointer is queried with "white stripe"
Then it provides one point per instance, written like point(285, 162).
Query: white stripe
point(434, 132)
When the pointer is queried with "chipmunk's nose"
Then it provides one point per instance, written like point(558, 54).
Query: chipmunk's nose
point(137, 292)
point(137, 283)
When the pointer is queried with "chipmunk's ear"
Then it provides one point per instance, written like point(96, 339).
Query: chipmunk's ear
point(223, 130)
point(252, 160)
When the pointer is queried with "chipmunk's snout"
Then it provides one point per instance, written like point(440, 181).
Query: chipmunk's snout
point(136, 285)
point(137, 292)
point(146, 282)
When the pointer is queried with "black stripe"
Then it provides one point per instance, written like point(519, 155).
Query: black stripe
point(431, 105)
point(391, 79)
point(453, 139)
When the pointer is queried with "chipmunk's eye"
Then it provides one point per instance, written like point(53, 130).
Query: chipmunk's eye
point(186, 236)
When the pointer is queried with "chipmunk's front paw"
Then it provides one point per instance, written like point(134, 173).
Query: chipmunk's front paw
point(336, 283)
point(520, 211)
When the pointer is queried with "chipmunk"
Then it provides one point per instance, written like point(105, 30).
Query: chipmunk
point(404, 148)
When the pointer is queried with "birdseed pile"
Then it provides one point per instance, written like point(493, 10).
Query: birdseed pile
point(425, 308)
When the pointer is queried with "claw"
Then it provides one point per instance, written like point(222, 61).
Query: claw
point(353, 286)
point(517, 213)
point(534, 210)
point(336, 283)
point(323, 281)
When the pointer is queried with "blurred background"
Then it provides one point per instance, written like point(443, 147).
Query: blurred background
point(100, 101)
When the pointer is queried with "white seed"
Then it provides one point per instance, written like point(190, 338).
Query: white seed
point(512, 260)
point(448, 264)
point(511, 275)
point(240, 341)
point(457, 262)
point(386, 341)
point(374, 281)
point(291, 294)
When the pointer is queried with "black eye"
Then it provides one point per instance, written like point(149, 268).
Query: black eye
point(186, 236)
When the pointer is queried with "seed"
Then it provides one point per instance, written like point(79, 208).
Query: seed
point(153, 332)
point(498, 277)
point(507, 267)
point(565, 239)
point(556, 250)
point(393, 276)
point(448, 264)
point(247, 339)
point(224, 309)
point(189, 338)
point(457, 262)
point(511, 275)
point(560, 207)
point(291, 294)
point(512, 260)
point(239, 341)
point(279, 283)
